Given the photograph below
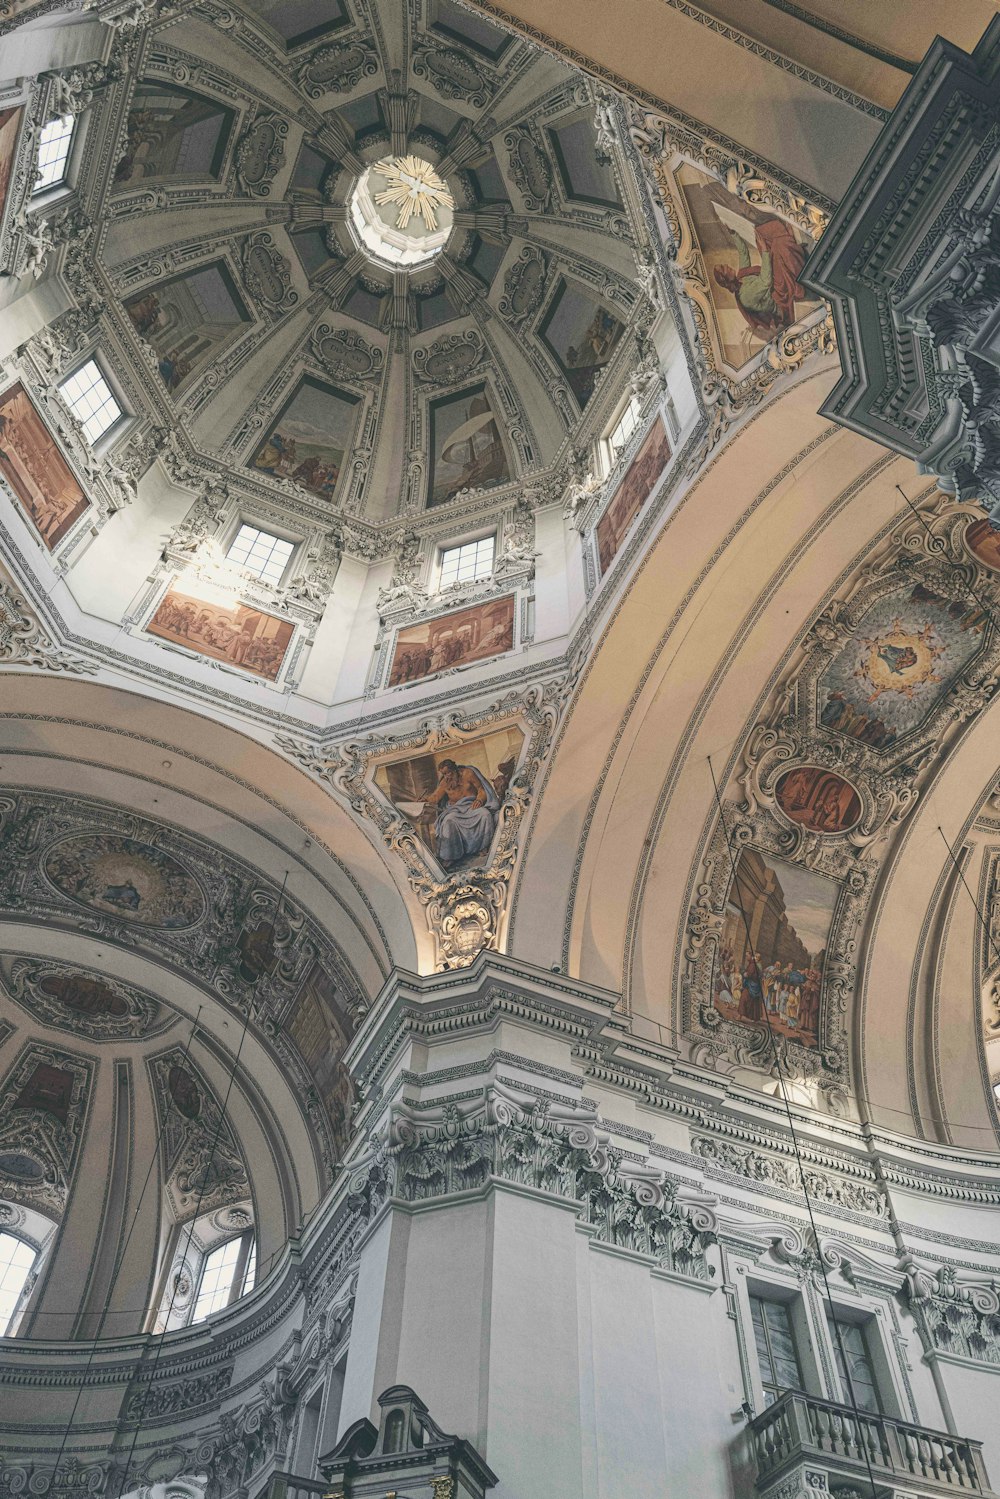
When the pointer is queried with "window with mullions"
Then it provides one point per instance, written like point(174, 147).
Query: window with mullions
point(623, 428)
point(473, 559)
point(17, 1260)
point(261, 553)
point(851, 1347)
point(89, 397)
point(53, 153)
point(228, 1272)
point(777, 1355)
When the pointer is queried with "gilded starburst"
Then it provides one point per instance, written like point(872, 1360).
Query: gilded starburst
point(414, 187)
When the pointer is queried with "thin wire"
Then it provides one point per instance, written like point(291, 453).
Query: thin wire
point(117, 1263)
point(861, 1441)
point(940, 550)
point(201, 1197)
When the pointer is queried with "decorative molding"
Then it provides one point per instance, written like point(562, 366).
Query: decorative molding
point(464, 909)
point(84, 1002)
point(203, 1165)
point(43, 1106)
point(546, 1145)
point(24, 643)
point(956, 1315)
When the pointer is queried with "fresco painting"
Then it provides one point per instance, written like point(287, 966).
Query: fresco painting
point(465, 445)
point(126, 879)
point(245, 637)
point(309, 439)
point(83, 993)
point(10, 127)
point(772, 949)
point(321, 1028)
point(632, 493)
point(171, 133)
point(818, 799)
point(453, 796)
point(581, 334)
point(49, 1089)
point(753, 261)
point(904, 656)
point(984, 543)
point(298, 21)
point(36, 470)
point(186, 319)
point(453, 640)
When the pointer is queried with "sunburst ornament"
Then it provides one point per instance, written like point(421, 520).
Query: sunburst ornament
point(401, 212)
point(415, 187)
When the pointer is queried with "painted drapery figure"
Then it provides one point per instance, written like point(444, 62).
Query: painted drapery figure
point(467, 808)
point(766, 284)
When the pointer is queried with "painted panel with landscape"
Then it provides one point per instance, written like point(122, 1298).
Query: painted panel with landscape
point(466, 450)
point(753, 260)
point(453, 640)
point(36, 470)
point(904, 655)
point(321, 1028)
point(186, 320)
point(581, 335)
point(310, 437)
point(245, 637)
point(772, 950)
point(453, 796)
point(632, 493)
point(171, 133)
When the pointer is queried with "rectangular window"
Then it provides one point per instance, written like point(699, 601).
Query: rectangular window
point(217, 1279)
point(53, 153)
point(623, 428)
point(852, 1346)
point(262, 554)
point(474, 559)
point(16, 1261)
point(89, 398)
point(777, 1354)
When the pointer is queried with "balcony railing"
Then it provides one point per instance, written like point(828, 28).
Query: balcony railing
point(799, 1428)
point(286, 1486)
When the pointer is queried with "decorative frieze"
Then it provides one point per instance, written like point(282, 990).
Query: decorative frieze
point(540, 1143)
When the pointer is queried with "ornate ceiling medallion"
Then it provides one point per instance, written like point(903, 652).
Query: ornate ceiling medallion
point(402, 211)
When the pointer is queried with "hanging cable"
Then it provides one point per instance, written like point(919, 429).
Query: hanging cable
point(119, 1260)
point(261, 970)
point(201, 1196)
point(779, 1073)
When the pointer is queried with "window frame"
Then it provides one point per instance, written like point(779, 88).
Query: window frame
point(633, 405)
point(788, 1305)
point(62, 184)
point(277, 534)
point(110, 433)
point(9, 1329)
point(447, 548)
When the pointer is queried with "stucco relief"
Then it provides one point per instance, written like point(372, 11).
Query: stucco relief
point(70, 998)
point(456, 830)
point(890, 675)
point(203, 1166)
point(220, 952)
point(737, 243)
point(43, 1106)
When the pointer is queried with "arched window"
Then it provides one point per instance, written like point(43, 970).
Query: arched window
point(17, 1260)
point(228, 1272)
point(208, 1268)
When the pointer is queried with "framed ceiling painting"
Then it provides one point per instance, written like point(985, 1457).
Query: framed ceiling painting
point(247, 638)
point(742, 244)
point(173, 133)
point(450, 640)
point(309, 438)
point(466, 449)
point(34, 467)
point(186, 320)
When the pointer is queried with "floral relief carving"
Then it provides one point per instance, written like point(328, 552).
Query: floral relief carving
point(955, 1313)
point(455, 1146)
point(203, 1166)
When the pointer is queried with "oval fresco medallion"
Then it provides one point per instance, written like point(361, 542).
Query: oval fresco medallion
point(125, 878)
point(818, 799)
point(984, 543)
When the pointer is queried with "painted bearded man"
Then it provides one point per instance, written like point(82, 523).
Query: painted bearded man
point(467, 808)
point(767, 287)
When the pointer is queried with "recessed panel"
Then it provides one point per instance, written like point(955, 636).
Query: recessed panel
point(581, 334)
point(309, 439)
point(466, 448)
point(187, 319)
point(172, 133)
point(36, 470)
